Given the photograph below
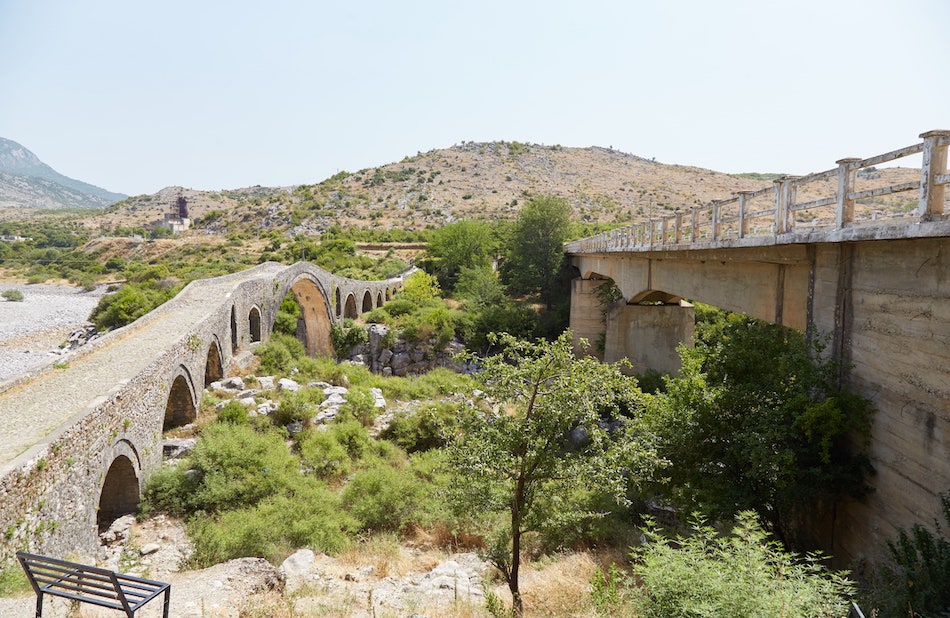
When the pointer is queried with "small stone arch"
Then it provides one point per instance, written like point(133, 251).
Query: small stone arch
point(389, 294)
point(349, 310)
point(214, 364)
point(234, 332)
point(338, 303)
point(254, 324)
point(180, 408)
point(120, 492)
point(379, 299)
point(367, 302)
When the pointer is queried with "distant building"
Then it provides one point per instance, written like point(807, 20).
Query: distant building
point(177, 220)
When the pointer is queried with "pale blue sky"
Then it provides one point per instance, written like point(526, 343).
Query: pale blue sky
point(136, 95)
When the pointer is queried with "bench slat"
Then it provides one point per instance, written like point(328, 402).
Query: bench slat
point(88, 584)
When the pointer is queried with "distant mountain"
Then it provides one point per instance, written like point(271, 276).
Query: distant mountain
point(27, 182)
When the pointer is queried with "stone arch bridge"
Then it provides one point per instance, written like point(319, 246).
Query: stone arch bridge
point(78, 439)
point(818, 254)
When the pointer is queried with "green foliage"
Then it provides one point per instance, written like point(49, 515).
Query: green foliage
point(389, 495)
point(287, 315)
point(238, 467)
point(454, 247)
point(13, 581)
point(360, 405)
point(280, 354)
point(295, 407)
point(424, 428)
point(743, 573)
point(756, 422)
point(309, 516)
point(346, 336)
point(233, 412)
point(535, 252)
point(12, 295)
point(916, 581)
point(479, 288)
point(607, 590)
point(420, 288)
point(517, 462)
point(132, 301)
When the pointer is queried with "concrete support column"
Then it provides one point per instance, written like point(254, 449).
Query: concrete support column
point(587, 315)
point(934, 165)
point(647, 335)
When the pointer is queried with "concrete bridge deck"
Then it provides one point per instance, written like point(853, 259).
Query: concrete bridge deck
point(879, 288)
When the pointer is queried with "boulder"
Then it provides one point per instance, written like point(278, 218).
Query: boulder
point(175, 448)
point(266, 383)
point(286, 384)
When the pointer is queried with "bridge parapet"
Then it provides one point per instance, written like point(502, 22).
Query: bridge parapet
point(775, 215)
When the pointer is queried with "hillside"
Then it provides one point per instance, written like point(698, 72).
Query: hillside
point(27, 182)
point(471, 180)
point(468, 181)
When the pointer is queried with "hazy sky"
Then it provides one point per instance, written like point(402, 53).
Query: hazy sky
point(136, 95)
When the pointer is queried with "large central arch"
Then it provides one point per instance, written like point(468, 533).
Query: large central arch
point(317, 321)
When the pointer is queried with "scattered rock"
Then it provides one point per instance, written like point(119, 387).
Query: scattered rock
point(176, 448)
point(149, 549)
point(286, 384)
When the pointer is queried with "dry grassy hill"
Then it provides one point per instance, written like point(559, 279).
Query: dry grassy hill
point(470, 181)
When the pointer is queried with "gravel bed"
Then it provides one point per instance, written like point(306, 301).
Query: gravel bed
point(32, 330)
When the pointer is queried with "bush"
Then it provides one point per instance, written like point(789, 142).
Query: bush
point(168, 491)
point(233, 412)
point(238, 467)
point(739, 574)
point(382, 498)
point(360, 405)
point(280, 355)
point(399, 307)
point(131, 302)
point(347, 336)
point(322, 453)
point(916, 580)
point(310, 516)
point(13, 295)
point(423, 429)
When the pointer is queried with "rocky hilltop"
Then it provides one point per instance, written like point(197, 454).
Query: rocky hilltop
point(467, 181)
point(27, 182)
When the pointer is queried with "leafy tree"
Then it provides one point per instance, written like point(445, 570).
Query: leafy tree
point(518, 463)
point(466, 244)
point(756, 421)
point(742, 573)
point(535, 249)
point(420, 287)
point(479, 288)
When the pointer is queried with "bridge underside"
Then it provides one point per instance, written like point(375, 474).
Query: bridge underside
point(883, 304)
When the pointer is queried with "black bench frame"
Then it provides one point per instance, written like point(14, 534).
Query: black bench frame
point(88, 584)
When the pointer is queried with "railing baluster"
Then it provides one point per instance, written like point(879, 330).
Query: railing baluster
point(847, 170)
point(934, 164)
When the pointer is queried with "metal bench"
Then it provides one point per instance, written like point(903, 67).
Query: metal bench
point(88, 584)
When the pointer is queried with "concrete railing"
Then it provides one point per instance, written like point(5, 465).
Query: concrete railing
point(776, 210)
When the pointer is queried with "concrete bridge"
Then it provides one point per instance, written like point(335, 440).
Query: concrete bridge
point(878, 287)
point(79, 439)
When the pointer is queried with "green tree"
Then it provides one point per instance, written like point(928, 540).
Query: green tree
point(420, 288)
point(756, 421)
point(466, 244)
point(515, 461)
point(535, 249)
